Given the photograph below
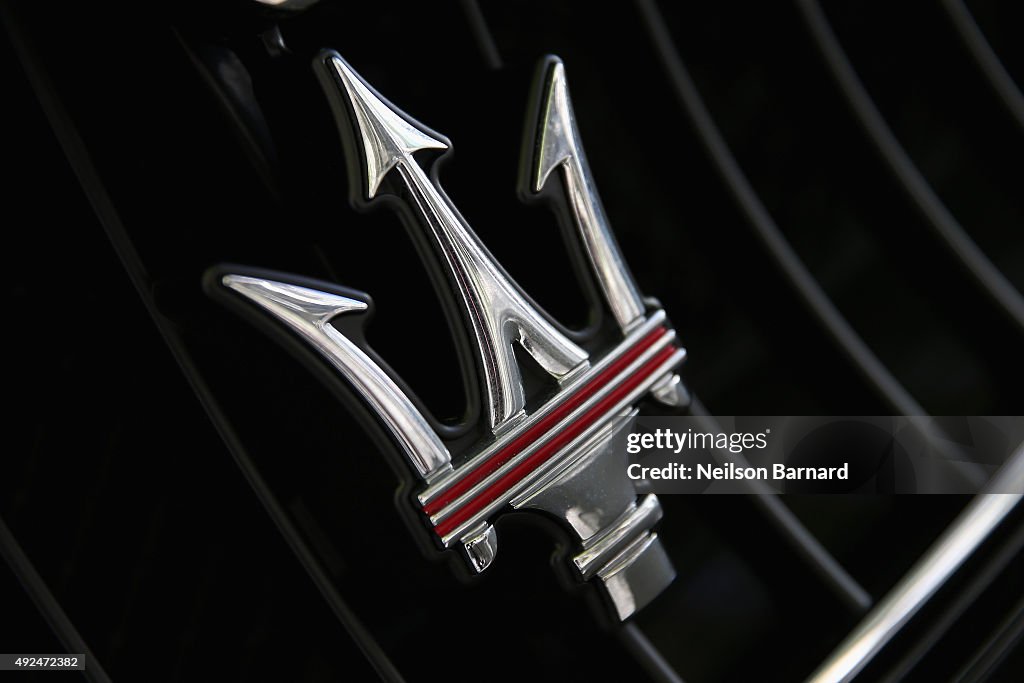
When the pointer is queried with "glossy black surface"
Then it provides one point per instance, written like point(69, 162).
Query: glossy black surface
point(120, 490)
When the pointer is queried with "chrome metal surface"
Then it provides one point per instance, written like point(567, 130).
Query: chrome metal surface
point(308, 312)
point(580, 478)
point(671, 392)
point(564, 423)
point(590, 466)
point(445, 481)
point(637, 575)
point(495, 309)
point(559, 147)
point(480, 547)
point(981, 516)
point(555, 461)
point(610, 541)
point(586, 491)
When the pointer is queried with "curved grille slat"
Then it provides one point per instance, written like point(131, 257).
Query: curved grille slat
point(999, 289)
point(48, 605)
point(805, 544)
point(938, 627)
point(756, 574)
point(785, 257)
point(988, 61)
point(81, 161)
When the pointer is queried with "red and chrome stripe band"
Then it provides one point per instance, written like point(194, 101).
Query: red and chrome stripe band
point(440, 485)
point(488, 479)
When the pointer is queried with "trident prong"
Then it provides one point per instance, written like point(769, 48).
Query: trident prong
point(495, 309)
point(558, 147)
point(308, 312)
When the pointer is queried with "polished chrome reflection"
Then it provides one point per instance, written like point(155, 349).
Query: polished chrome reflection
point(588, 493)
point(602, 547)
point(653, 322)
point(559, 147)
point(637, 575)
point(308, 312)
point(480, 547)
point(671, 392)
point(561, 459)
point(494, 307)
point(981, 516)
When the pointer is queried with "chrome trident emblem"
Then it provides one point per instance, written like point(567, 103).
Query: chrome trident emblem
point(558, 458)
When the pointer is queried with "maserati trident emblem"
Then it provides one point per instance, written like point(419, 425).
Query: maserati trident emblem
point(556, 458)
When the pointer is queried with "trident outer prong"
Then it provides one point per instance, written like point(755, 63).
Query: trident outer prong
point(558, 148)
point(308, 312)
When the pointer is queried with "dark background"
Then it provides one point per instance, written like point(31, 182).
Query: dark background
point(120, 488)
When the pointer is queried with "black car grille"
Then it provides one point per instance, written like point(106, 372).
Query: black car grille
point(826, 201)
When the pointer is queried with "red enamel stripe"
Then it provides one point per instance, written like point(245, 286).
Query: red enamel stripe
point(545, 452)
point(542, 427)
